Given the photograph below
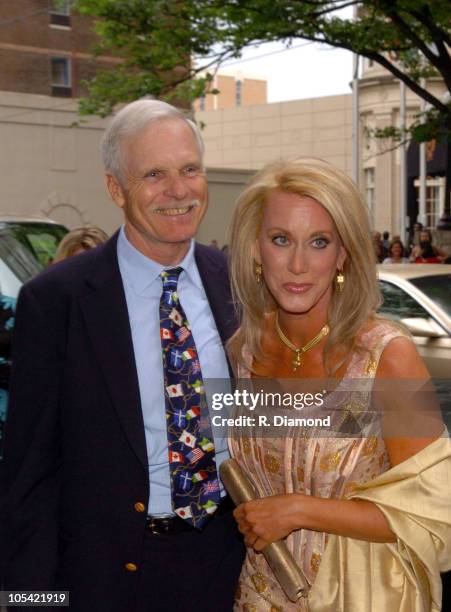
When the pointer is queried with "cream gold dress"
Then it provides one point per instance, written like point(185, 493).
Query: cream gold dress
point(327, 467)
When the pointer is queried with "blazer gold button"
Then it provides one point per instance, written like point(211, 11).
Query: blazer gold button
point(140, 507)
point(131, 567)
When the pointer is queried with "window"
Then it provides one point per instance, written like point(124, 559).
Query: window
point(38, 239)
point(435, 200)
point(437, 288)
point(61, 76)
point(17, 258)
point(398, 304)
point(60, 12)
point(370, 189)
point(202, 102)
point(238, 88)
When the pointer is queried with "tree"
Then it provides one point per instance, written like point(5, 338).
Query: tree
point(156, 38)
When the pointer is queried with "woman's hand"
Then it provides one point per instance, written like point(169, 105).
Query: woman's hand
point(416, 252)
point(267, 520)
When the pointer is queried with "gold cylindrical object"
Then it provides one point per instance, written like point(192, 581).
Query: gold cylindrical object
point(279, 558)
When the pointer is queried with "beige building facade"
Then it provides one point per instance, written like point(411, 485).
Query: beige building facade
point(52, 168)
point(380, 160)
point(249, 137)
point(234, 90)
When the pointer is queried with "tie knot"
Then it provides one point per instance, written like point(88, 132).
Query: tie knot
point(170, 277)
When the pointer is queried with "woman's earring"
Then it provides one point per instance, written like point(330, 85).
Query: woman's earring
point(340, 280)
point(258, 272)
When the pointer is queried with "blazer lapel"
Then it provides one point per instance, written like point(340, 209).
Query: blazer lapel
point(105, 312)
point(217, 288)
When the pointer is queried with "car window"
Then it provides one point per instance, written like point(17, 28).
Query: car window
point(437, 288)
point(398, 304)
point(17, 258)
point(41, 239)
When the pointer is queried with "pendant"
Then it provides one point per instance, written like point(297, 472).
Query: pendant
point(297, 361)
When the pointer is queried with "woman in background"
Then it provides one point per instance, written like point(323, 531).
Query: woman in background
point(78, 241)
point(396, 253)
point(364, 532)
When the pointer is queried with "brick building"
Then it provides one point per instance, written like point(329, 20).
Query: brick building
point(44, 48)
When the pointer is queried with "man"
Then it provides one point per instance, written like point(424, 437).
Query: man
point(95, 498)
point(379, 249)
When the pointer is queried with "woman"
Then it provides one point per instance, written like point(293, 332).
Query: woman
point(303, 270)
point(78, 241)
point(396, 253)
point(425, 251)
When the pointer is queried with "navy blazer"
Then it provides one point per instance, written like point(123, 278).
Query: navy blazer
point(75, 458)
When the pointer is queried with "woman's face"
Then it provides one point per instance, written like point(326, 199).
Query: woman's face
point(300, 251)
point(396, 250)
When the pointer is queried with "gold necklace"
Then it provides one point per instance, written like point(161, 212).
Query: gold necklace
point(300, 350)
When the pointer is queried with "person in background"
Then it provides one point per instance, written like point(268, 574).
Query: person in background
point(214, 244)
point(396, 253)
point(414, 236)
point(386, 240)
point(379, 249)
point(425, 251)
point(78, 241)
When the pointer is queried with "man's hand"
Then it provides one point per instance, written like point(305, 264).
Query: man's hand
point(267, 520)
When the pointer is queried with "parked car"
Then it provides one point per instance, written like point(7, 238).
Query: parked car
point(419, 296)
point(27, 246)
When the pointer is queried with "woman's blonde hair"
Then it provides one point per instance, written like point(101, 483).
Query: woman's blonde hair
point(349, 309)
point(82, 238)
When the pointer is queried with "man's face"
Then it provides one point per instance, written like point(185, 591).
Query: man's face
point(424, 236)
point(163, 190)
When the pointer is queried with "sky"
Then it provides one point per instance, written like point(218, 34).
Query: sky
point(306, 70)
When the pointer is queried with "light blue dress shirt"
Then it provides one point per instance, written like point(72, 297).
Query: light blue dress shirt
point(143, 288)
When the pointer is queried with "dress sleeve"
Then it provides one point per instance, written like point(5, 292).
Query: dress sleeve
point(405, 575)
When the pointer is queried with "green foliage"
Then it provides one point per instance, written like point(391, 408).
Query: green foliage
point(157, 38)
point(58, 4)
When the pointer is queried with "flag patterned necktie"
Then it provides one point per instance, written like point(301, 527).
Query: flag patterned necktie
point(192, 461)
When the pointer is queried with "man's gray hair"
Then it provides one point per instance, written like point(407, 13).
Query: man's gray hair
point(132, 119)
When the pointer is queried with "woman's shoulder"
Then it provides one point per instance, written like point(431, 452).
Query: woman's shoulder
point(377, 333)
point(380, 329)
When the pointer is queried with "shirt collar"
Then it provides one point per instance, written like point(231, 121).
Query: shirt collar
point(141, 271)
